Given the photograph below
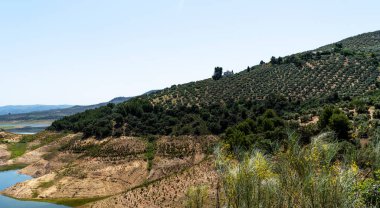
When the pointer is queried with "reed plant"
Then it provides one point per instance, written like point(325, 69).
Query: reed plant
point(296, 176)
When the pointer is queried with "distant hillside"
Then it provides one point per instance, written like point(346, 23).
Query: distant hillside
point(366, 42)
point(56, 113)
point(339, 71)
point(17, 109)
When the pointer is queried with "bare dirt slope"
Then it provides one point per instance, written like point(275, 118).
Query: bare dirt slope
point(6, 138)
point(4, 154)
point(71, 167)
point(169, 192)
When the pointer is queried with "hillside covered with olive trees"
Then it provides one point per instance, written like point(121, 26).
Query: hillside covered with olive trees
point(292, 85)
point(299, 131)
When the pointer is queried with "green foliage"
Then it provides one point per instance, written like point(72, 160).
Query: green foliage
point(150, 152)
point(338, 47)
point(376, 114)
point(46, 184)
point(245, 183)
point(71, 202)
point(325, 116)
point(17, 149)
point(369, 157)
point(369, 189)
point(196, 197)
point(12, 167)
point(260, 133)
point(218, 73)
point(336, 120)
point(298, 176)
point(367, 42)
point(139, 117)
point(341, 125)
point(360, 105)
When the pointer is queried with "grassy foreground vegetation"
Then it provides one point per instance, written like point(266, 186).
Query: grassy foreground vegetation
point(321, 174)
point(323, 164)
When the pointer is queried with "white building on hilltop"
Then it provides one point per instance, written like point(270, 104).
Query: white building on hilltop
point(228, 73)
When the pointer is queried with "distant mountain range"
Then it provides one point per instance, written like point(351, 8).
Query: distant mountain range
point(46, 112)
point(18, 109)
point(55, 113)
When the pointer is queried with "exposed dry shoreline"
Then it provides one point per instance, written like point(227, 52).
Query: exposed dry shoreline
point(71, 168)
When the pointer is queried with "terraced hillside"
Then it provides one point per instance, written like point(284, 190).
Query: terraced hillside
point(367, 42)
point(317, 77)
point(349, 68)
point(339, 71)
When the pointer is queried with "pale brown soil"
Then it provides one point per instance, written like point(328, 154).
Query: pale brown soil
point(4, 154)
point(169, 192)
point(371, 111)
point(364, 142)
point(36, 155)
point(4, 139)
point(74, 168)
point(314, 120)
point(310, 65)
point(91, 178)
point(9, 137)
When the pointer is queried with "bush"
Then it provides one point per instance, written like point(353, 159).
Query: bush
point(370, 190)
point(262, 132)
point(325, 116)
point(299, 176)
point(150, 153)
point(341, 125)
point(196, 197)
point(336, 120)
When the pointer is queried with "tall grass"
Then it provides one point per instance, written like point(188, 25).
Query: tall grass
point(196, 197)
point(309, 176)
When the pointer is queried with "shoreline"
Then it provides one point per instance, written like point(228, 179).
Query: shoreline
point(67, 170)
point(69, 202)
point(18, 167)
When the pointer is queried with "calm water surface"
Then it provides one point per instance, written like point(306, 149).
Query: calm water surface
point(25, 127)
point(8, 179)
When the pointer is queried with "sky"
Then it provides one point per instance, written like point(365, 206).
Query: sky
point(90, 51)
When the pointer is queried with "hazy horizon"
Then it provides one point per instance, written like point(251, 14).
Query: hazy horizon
point(86, 52)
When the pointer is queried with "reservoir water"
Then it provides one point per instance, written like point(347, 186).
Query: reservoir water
point(25, 127)
point(8, 179)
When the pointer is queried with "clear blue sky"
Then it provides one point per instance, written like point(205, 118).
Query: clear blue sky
point(89, 51)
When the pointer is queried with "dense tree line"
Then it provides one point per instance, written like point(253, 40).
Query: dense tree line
point(141, 117)
point(261, 132)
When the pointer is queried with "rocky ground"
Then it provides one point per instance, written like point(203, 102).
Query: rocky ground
point(70, 167)
point(6, 138)
point(168, 192)
point(4, 154)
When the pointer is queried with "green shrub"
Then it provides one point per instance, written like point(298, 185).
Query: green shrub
point(196, 197)
point(341, 125)
point(150, 152)
point(299, 176)
point(369, 188)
